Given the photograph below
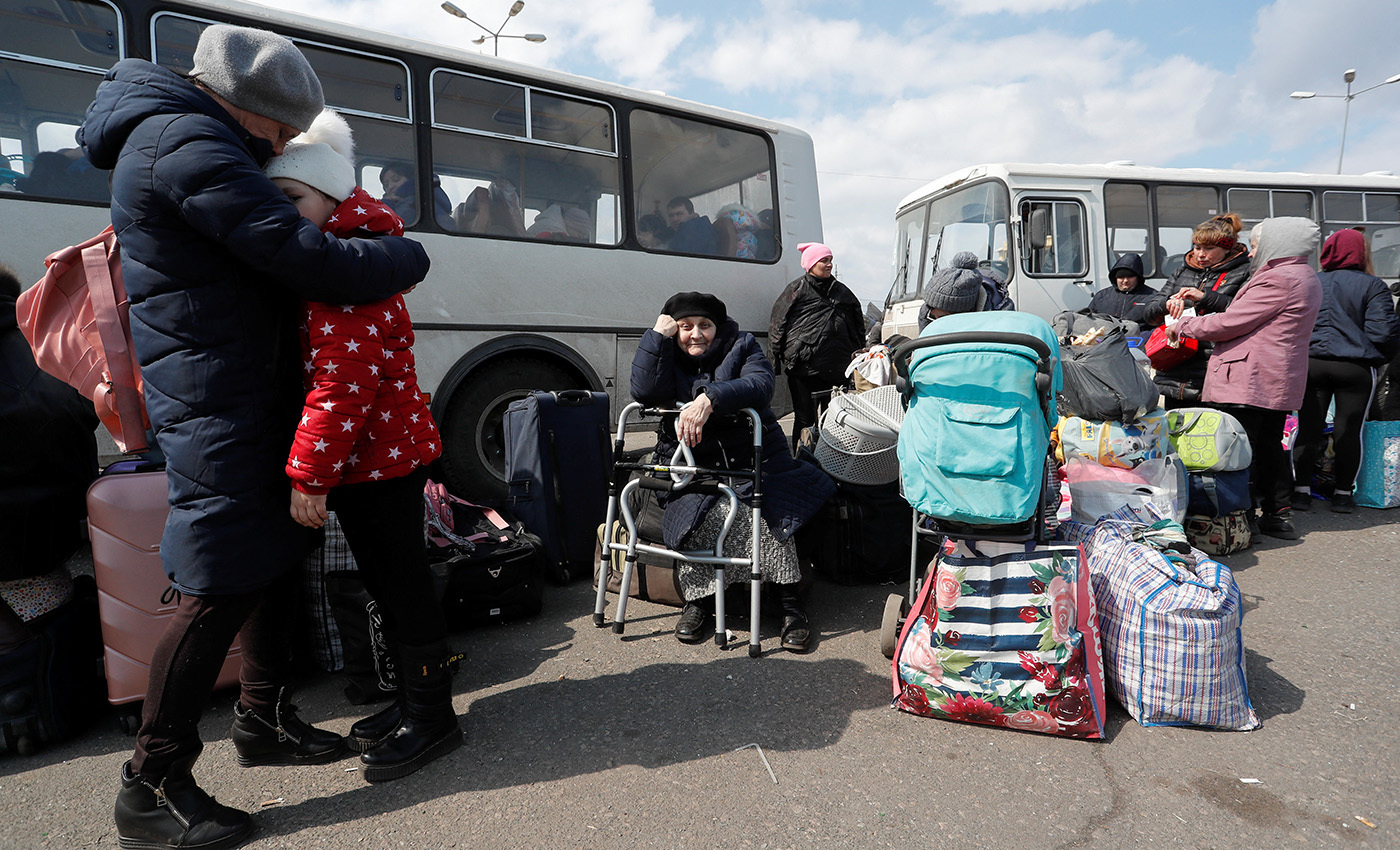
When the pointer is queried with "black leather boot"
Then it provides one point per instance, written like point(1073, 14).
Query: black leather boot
point(797, 631)
point(368, 733)
point(283, 738)
point(175, 812)
point(428, 728)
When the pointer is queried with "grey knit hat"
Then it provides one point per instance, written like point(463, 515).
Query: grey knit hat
point(958, 288)
point(259, 71)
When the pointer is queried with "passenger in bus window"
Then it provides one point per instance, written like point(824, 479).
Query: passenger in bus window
point(362, 449)
point(696, 356)
point(694, 233)
point(214, 258)
point(492, 210)
point(1129, 295)
point(814, 331)
point(653, 233)
point(1212, 272)
point(396, 179)
point(742, 227)
point(765, 238)
point(578, 225)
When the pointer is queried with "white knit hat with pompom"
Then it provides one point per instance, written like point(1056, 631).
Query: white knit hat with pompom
point(323, 157)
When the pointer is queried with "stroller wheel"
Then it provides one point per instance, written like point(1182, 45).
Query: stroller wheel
point(890, 624)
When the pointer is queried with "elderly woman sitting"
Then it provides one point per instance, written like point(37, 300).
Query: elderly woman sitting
point(696, 356)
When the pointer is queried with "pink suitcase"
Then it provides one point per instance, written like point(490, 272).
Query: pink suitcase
point(126, 517)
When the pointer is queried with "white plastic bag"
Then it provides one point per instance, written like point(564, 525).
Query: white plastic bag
point(1096, 491)
point(874, 366)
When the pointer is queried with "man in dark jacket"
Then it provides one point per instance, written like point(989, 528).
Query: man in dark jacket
point(1129, 296)
point(816, 327)
point(694, 233)
point(215, 259)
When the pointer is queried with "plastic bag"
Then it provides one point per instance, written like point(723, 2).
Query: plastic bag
point(1096, 491)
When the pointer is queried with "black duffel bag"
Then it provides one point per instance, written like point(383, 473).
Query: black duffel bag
point(487, 566)
point(1102, 381)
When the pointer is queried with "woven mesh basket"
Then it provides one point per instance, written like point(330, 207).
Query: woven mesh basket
point(857, 436)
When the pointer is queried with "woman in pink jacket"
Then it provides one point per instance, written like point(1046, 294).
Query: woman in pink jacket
point(1259, 367)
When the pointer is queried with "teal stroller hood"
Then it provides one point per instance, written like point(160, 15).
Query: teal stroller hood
point(980, 389)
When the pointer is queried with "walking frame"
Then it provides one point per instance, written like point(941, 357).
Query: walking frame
point(683, 475)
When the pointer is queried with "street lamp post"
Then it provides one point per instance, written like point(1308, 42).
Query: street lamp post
point(1349, 77)
point(495, 35)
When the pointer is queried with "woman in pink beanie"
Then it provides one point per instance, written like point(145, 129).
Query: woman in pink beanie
point(816, 327)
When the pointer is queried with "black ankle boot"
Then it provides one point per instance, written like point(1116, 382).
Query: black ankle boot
point(429, 727)
point(175, 813)
point(283, 738)
point(368, 733)
point(797, 631)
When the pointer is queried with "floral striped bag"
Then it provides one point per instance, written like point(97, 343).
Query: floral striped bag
point(1005, 634)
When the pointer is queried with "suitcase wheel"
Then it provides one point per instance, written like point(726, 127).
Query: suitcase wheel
point(129, 721)
point(890, 624)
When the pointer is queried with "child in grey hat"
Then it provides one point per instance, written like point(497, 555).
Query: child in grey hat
point(957, 289)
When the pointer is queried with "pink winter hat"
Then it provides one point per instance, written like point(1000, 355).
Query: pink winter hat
point(811, 252)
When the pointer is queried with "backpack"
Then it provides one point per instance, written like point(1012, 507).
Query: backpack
point(998, 298)
point(75, 319)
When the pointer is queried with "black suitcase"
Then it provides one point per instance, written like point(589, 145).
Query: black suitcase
point(559, 453)
point(861, 535)
point(50, 679)
point(492, 570)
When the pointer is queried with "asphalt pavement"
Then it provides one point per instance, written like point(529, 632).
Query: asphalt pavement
point(577, 738)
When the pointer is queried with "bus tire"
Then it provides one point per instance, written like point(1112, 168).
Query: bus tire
point(473, 434)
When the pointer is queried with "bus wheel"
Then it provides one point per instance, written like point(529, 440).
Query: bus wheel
point(473, 435)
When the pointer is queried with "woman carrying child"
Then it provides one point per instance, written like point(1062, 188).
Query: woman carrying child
point(362, 448)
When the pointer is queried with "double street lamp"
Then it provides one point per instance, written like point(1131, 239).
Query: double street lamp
point(1349, 77)
point(495, 35)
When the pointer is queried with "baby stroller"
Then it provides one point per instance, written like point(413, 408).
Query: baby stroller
point(974, 447)
point(681, 474)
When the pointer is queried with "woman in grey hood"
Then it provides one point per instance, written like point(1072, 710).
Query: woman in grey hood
point(1259, 367)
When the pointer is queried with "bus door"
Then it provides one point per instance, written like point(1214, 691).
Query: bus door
point(1055, 271)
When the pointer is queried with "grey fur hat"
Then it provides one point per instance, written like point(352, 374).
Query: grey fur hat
point(259, 71)
point(958, 288)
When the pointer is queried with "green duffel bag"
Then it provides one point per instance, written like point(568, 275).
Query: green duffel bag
point(1208, 440)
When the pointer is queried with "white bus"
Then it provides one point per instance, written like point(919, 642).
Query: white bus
point(1053, 231)
point(525, 186)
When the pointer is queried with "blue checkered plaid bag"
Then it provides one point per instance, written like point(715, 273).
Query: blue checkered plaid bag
point(1171, 630)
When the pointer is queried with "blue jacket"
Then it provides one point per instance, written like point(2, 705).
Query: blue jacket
point(1357, 321)
point(735, 374)
point(696, 236)
point(215, 261)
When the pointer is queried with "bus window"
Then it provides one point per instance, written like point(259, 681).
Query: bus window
point(972, 219)
point(1179, 210)
point(698, 175)
point(1126, 217)
point(1063, 253)
point(1255, 205)
point(909, 243)
point(518, 162)
point(51, 60)
point(1375, 213)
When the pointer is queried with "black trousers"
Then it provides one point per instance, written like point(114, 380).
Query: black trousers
point(1350, 384)
point(1270, 473)
point(810, 394)
point(186, 664)
point(383, 525)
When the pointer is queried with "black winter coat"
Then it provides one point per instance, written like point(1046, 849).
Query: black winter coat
point(49, 461)
point(1133, 305)
point(215, 260)
point(1357, 321)
point(1186, 380)
point(735, 374)
point(816, 327)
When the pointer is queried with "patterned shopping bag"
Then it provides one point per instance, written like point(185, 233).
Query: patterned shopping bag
point(1005, 634)
point(1171, 629)
point(1378, 480)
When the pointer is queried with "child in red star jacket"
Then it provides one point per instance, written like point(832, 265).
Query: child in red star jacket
point(361, 450)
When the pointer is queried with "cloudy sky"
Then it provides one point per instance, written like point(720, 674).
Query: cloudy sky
point(896, 94)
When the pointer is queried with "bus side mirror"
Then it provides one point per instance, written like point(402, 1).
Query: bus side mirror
point(1038, 228)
